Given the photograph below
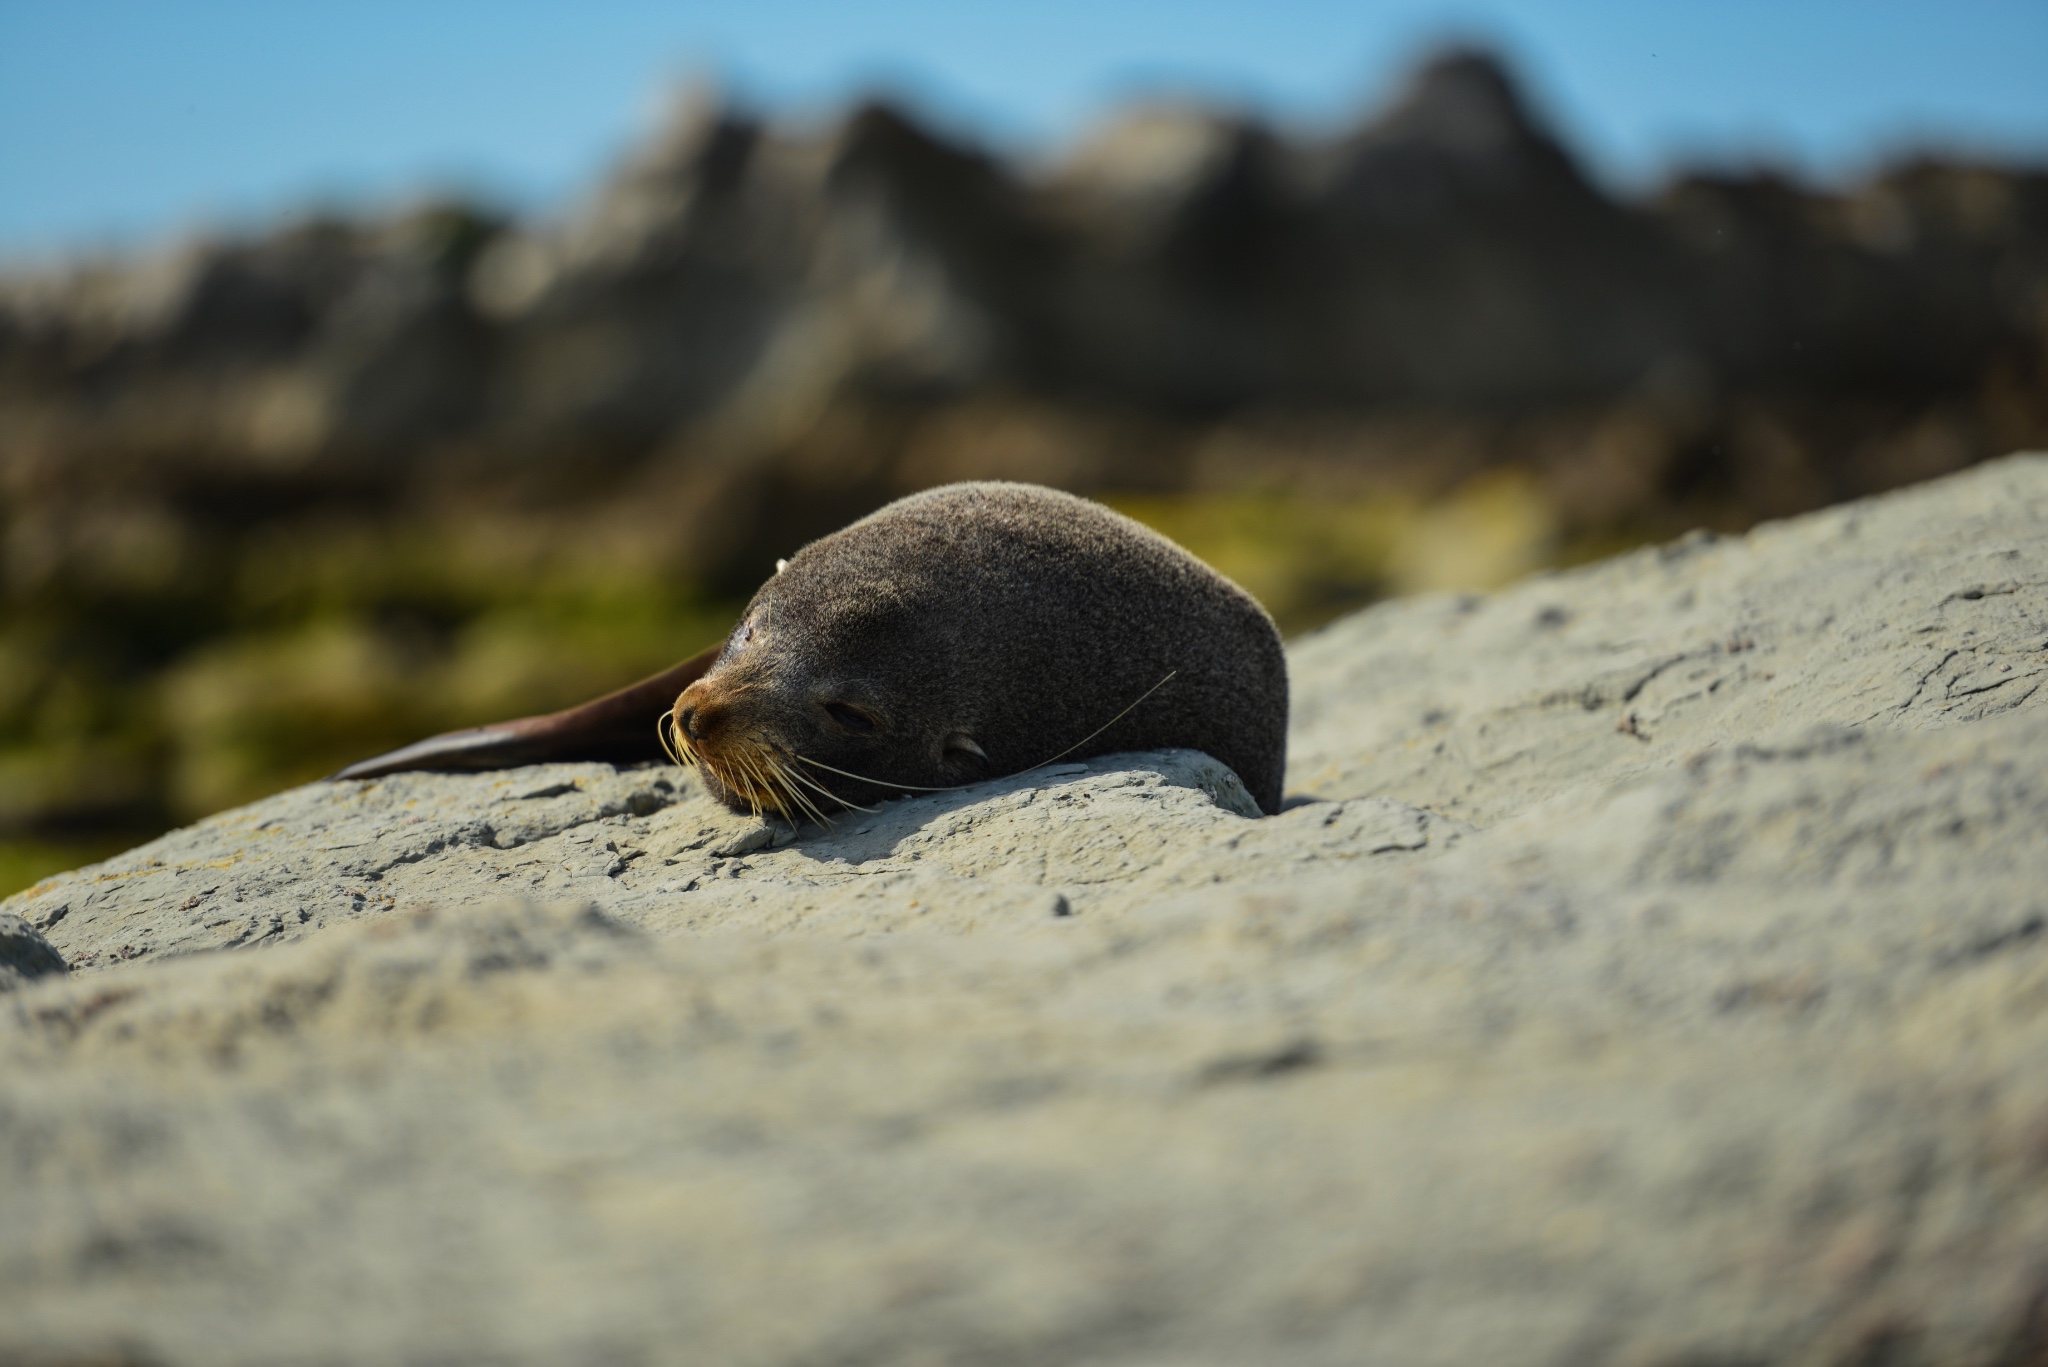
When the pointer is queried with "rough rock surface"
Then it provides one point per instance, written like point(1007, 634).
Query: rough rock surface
point(24, 954)
point(1656, 972)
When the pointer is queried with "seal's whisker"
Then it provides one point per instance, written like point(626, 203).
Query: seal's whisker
point(955, 787)
point(803, 780)
point(764, 784)
point(794, 808)
point(771, 771)
point(788, 778)
point(757, 788)
point(795, 795)
point(828, 794)
point(741, 782)
point(1106, 725)
point(880, 782)
point(672, 734)
point(817, 787)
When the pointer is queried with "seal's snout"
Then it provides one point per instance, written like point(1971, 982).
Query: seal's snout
point(702, 712)
point(719, 729)
point(727, 712)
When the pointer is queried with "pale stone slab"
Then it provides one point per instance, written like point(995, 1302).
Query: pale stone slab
point(1664, 981)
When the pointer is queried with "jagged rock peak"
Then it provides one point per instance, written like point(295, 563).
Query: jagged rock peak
point(1153, 148)
point(1465, 101)
point(1461, 115)
point(703, 134)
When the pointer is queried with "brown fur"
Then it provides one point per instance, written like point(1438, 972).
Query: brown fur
point(979, 630)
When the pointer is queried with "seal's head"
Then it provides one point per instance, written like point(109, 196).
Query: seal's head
point(975, 631)
point(823, 697)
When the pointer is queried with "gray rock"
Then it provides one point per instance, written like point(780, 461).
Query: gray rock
point(1913, 612)
point(24, 954)
point(1651, 970)
point(648, 847)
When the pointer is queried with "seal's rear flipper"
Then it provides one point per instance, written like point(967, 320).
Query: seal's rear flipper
point(618, 727)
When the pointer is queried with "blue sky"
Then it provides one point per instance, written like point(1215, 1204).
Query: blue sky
point(125, 119)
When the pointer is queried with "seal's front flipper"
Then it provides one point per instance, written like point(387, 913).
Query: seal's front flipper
point(618, 727)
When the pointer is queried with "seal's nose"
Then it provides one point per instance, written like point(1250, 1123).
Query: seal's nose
point(700, 711)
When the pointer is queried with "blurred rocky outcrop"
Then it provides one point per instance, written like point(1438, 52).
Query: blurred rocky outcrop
point(735, 277)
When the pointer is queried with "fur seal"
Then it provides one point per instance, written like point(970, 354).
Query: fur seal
point(969, 632)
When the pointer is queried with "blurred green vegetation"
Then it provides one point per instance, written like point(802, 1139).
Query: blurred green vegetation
point(1311, 558)
point(216, 670)
point(275, 657)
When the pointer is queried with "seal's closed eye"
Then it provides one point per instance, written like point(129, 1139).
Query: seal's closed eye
point(852, 718)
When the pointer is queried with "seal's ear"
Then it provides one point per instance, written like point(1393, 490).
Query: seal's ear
point(618, 727)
